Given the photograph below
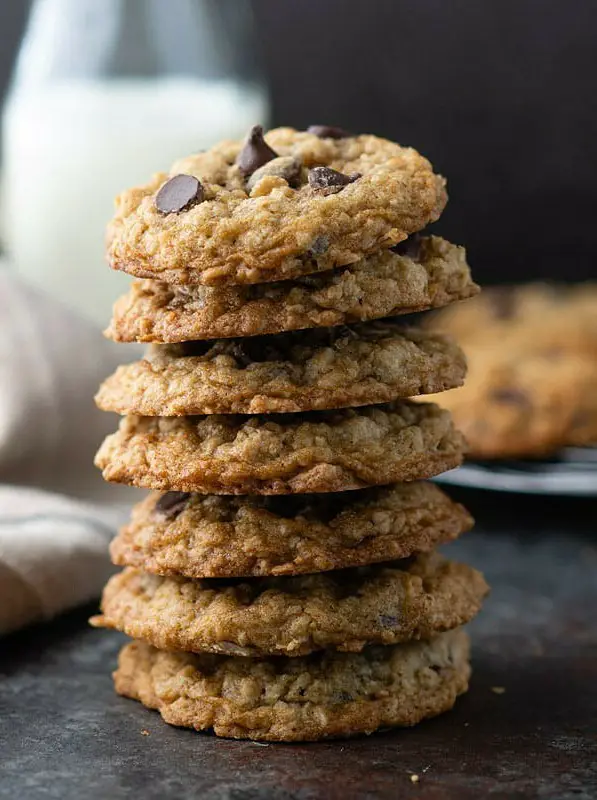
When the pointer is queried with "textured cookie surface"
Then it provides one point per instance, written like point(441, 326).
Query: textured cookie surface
point(283, 454)
point(231, 231)
point(429, 274)
point(532, 384)
point(326, 695)
point(293, 616)
point(300, 371)
point(216, 536)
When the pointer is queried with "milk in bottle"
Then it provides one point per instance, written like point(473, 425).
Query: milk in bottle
point(105, 94)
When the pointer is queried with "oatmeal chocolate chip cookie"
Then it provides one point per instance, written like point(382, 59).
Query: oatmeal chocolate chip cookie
point(325, 451)
point(268, 210)
point(385, 284)
point(344, 610)
point(219, 536)
point(312, 370)
point(519, 403)
point(325, 695)
point(527, 317)
point(532, 384)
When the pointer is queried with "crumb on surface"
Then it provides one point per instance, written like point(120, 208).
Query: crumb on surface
point(498, 689)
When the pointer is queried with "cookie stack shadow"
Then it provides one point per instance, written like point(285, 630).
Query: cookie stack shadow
point(281, 582)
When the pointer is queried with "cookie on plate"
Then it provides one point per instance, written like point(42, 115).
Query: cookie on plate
point(297, 371)
point(325, 451)
point(225, 536)
point(526, 317)
point(419, 274)
point(291, 204)
point(325, 695)
point(525, 404)
point(532, 381)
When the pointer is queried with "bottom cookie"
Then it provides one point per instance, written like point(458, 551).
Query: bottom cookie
point(326, 695)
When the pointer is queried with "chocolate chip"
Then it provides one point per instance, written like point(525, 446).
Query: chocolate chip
point(255, 153)
point(387, 621)
point(411, 247)
point(326, 180)
point(179, 194)
point(286, 167)
point(171, 504)
point(512, 396)
point(328, 132)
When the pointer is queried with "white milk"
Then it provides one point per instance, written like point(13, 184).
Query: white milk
point(70, 147)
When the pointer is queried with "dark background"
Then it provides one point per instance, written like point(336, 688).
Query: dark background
point(499, 94)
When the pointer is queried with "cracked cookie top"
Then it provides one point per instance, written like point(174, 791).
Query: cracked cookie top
point(292, 203)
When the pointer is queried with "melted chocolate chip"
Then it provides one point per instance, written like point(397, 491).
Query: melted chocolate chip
point(512, 396)
point(325, 180)
point(328, 132)
point(411, 247)
point(255, 153)
point(171, 504)
point(179, 194)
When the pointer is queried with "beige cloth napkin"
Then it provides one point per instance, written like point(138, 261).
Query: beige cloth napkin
point(56, 513)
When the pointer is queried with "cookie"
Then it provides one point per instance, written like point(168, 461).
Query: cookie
point(325, 695)
point(525, 404)
point(243, 212)
point(527, 317)
point(428, 272)
point(343, 610)
point(298, 371)
point(219, 536)
point(325, 451)
point(532, 384)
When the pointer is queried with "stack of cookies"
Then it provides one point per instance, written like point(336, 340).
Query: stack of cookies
point(280, 582)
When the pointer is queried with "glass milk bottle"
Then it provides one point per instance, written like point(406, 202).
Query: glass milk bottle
point(106, 93)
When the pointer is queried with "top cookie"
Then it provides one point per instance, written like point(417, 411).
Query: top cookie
point(262, 211)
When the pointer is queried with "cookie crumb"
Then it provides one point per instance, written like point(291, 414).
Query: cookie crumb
point(144, 732)
point(498, 689)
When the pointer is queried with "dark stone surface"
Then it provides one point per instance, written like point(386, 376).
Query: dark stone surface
point(65, 735)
